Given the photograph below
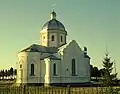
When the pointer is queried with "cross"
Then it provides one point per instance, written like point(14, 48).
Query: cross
point(53, 6)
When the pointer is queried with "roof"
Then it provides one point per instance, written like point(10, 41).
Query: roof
point(39, 48)
point(51, 57)
point(86, 56)
point(43, 49)
point(54, 24)
point(65, 46)
point(61, 49)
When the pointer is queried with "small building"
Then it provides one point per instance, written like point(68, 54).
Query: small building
point(55, 61)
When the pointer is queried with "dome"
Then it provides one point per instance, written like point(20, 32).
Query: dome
point(53, 23)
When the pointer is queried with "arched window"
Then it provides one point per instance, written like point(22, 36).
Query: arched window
point(54, 69)
point(32, 69)
point(43, 37)
point(61, 38)
point(20, 65)
point(52, 38)
point(73, 67)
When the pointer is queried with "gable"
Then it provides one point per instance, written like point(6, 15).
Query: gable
point(71, 45)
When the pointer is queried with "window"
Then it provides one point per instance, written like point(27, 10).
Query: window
point(32, 69)
point(54, 69)
point(52, 38)
point(43, 37)
point(61, 38)
point(20, 65)
point(73, 67)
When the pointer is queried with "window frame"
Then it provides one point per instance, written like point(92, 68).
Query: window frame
point(61, 38)
point(32, 69)
point(54, 69)
point(73, 67)
point(52, 38)
point(20, 66)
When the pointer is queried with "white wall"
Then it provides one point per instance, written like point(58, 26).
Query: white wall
point(64, 38)
point(53, 78)
point(44, 38)
point(22, 72)
point(53, 43)
point(57, 35)
point(34, 58)
point(82, 66)
point(40, 67)
point(63, 66)
point(42, 71)
point(73, 51)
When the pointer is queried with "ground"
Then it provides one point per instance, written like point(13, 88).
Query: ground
point(6, 87)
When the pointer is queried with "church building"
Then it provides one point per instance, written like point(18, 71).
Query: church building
point(54, 61)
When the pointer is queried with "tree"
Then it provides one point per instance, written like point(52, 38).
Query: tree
point(0, 74)
point(11, 71)
point(91, 70)
point(15, 71)
point(6, 73)
point(3, 74)
point(102, 72)
point(94, 71)
point(107, 76)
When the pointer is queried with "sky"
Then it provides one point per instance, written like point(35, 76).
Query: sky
point(92, 23)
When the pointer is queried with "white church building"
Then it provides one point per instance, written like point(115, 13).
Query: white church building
point(55, 61)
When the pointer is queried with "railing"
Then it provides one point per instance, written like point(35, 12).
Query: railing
point(55, 90)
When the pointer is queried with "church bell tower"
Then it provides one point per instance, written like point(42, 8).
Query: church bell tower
point(53, 33)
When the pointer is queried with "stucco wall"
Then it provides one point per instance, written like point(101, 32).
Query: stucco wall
point(64, 39)
point(34, 58)
point(55, 78)
point(70, 52)
point(53, 43)
point(44, 38)
point(22, 72)
point(40, 67)
point(63, 66)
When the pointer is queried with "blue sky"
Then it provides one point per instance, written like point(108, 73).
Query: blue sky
point(92, 23)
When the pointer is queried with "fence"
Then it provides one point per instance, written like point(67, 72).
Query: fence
point(54, 90)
